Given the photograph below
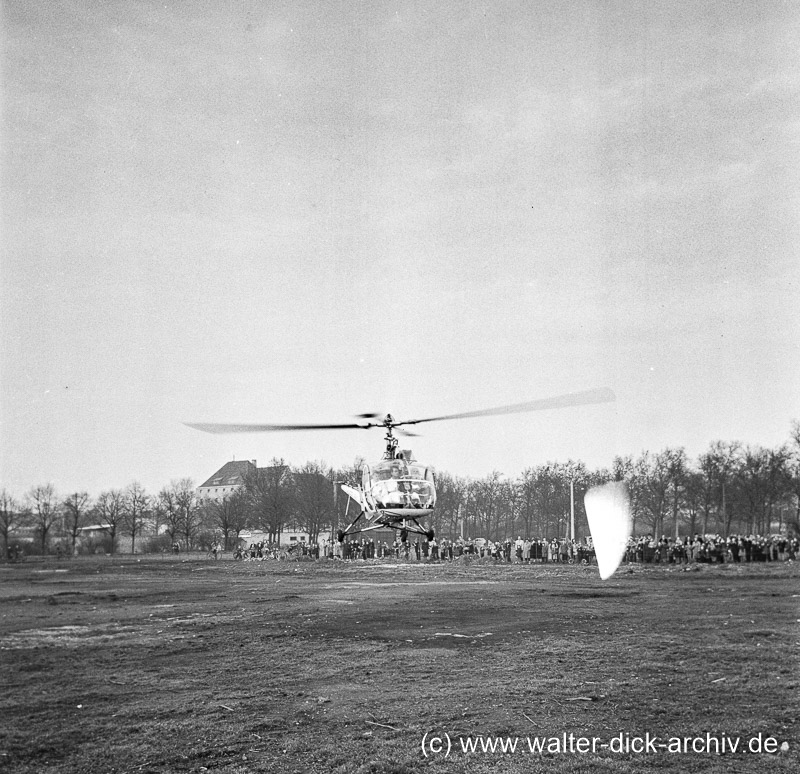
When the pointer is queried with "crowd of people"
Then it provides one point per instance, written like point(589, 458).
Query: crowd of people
point(267, 550)
point(646, 549)
point(712, 548)
point(447, 550)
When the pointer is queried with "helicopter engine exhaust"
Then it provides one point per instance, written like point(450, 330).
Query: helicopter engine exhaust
point(609, 514)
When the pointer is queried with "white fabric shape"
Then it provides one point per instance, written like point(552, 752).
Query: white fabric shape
point(609, 513)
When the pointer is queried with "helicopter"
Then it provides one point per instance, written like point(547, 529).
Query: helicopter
point(398, 492)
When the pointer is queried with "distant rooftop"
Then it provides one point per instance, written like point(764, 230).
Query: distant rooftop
point(231, 473)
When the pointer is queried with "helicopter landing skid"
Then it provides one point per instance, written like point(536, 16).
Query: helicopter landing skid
point(384, 520)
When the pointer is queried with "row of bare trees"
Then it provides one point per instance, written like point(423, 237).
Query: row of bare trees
point(131, 512)
point(730, 488)
point(272, 499)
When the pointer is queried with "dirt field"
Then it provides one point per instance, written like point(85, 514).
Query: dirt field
point(176, 665)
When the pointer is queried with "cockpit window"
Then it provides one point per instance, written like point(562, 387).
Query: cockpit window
point(396, 484)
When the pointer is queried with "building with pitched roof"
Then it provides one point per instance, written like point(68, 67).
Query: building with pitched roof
point(227, 480)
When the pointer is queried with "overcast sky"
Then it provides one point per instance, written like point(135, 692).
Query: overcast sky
point(301, 211)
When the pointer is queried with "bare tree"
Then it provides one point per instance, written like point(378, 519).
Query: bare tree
point(541, 499)
point(488, 503)
point(793, 473)
point(451, 504)
point(184, 492)
point(110, 510)
point(527, 489)
point(313, 498)
point(699, 499)
point(655, 485)
point(76, 507)
point(623, 468)
point(168, 512)
point(44, 510)
point(677, 470)
point(352, 473)
point(762, 476)
point(707, 492)
point(721, 465)
point(229, 515)
point(136, 503)
point(270, 498)
point(510, 508)
point(11, 519)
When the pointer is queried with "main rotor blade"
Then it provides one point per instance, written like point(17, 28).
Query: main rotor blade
point(248, 428)
point(602, 395)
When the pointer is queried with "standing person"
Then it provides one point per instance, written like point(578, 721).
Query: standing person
point(663, 548)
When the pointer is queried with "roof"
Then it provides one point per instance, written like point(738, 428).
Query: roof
point(230, 474)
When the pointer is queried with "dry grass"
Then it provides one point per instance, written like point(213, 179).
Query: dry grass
point(189, 665)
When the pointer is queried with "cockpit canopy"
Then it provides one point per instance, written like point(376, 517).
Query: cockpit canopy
point(399, 484)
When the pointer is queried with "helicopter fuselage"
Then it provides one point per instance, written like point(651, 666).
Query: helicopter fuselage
point(393, 493)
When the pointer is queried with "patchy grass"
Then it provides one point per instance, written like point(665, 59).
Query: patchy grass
point(126, 665)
